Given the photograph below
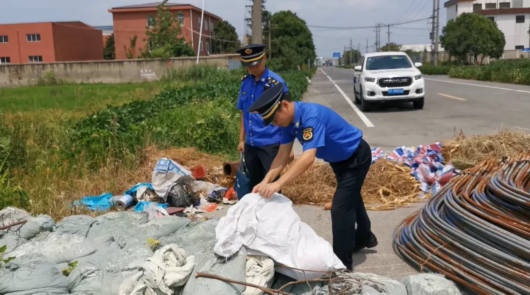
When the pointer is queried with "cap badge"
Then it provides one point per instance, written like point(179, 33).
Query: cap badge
point(248, 51)
point(308, 134)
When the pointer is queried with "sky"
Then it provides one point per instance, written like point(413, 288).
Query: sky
point(330, 13)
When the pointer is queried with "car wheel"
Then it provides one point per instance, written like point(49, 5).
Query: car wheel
point(365, 107)
point(418, 104)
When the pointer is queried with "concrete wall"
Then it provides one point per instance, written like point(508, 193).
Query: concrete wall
point(18, 49)
point(451, 13)
point(76, 41)
point(514, 33)
point(121, 71)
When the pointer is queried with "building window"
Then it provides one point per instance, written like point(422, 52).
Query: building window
point(33, 37)
point(4, 39)
point(200, 46)
point(519, 19)
point(477, 7)
point(503, 5)
point(491, 5)
point(491, 18)
point(519, 47)
point(208, 47)
point(151, 21)
point(181, 19)
point(199, 22)
point(5, 60)
point(211, 25)
point(35, 59)
point(205, 25)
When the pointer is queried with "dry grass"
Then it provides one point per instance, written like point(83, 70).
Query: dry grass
point(387, 186)
point(465, 152)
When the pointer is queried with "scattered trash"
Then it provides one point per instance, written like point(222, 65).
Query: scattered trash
point(165, 174)
point(99, 203)
point(230, 197)
point(260, 271)
point(206, 206)
point(231, 168)
point(217, 195)
point(143, 206)
point(180, 193)
point(377, 153)
point(124, 202)
point(198, 172)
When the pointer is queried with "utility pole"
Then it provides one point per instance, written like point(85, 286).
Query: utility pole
point(437, 32)
point(257, 22)
point(351, 52)
point(270, 47)
point(376, 37)
point(388, 46)
point(433, 32)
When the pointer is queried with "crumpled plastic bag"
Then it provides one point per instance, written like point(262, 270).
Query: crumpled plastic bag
point(169, 268)
point(166, 172)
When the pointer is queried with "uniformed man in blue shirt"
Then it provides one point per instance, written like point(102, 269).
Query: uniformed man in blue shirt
point(258, 142)
point(326, 135)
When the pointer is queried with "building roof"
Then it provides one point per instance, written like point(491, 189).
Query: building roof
point(150, 5)
point(153, 6)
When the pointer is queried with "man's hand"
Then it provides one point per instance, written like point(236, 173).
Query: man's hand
point(267, 190)
point(241, 147)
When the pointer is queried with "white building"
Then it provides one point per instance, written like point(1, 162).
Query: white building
point(512, 17)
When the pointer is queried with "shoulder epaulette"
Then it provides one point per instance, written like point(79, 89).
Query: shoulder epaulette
point(244, 77)
point(273, 81)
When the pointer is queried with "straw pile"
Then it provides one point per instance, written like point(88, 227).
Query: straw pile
point(465, 152)
point(387, 186)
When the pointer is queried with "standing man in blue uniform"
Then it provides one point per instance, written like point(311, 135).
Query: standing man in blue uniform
point(258, 142)
point(326, 135)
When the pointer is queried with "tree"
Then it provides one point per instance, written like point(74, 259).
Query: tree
point(472, 35)
point(292, 42)
point(414, 55)
point(351, 57)
point(225, 38)
point(391, 47)
point(132, 46)
point(109, 51)
point(163, 37)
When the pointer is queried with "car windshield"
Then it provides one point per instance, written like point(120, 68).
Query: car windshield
point(388, 62)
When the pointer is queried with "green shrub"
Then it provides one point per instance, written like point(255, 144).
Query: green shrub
point(516, 71)
point(427, 69)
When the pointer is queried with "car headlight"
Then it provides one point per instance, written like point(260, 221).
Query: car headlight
point(418, 77)
point(368, 79)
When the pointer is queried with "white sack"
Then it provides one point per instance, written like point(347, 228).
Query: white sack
point(167, 269)
point(166, 172)
point(260, 272)
point(272, 228)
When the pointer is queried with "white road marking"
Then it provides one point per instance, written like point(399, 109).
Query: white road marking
point(453, 97)
point(348, 100)
point(477, 85)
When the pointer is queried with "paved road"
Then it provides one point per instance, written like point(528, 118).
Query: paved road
point(450, 105)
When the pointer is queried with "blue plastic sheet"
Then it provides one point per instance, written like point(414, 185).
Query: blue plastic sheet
point(132, 191)
point(141, 206)
point(99, 203)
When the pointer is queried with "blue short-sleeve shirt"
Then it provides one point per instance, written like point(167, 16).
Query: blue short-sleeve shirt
point(318, 127)
point(255, 133)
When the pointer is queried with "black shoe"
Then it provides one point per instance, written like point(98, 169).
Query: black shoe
point(372, 242)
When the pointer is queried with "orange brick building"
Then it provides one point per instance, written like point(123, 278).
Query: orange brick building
point(133, 20)
point(49, 42)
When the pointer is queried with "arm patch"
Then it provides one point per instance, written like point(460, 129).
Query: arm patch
point(307, 134)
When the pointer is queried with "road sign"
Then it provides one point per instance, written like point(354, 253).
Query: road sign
point(336, 54)
point(526, 49)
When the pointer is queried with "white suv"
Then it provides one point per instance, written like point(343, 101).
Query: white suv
point(388, 76)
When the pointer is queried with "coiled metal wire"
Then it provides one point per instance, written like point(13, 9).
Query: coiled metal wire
point(476, 230)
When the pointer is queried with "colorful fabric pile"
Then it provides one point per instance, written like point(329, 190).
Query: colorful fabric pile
point(426, 162)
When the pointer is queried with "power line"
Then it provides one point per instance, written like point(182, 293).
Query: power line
point(408, 9)
point(421, 10)
point(367, 27)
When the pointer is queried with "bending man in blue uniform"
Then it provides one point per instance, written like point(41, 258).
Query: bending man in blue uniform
point(326, 135)
point(258, 142)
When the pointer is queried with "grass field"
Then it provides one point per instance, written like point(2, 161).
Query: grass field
point(76, 98)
